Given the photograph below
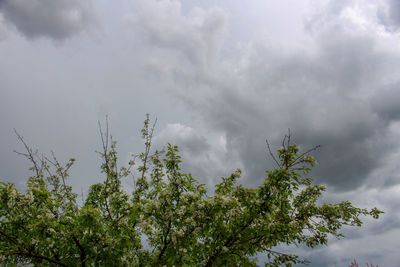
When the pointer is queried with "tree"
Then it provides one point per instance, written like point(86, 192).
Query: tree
point(168, 219)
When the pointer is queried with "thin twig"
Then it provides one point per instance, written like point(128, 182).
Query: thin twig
point(272, 155)
point(307, 152)
point(30, 154)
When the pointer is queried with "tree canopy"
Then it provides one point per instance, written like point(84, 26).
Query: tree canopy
point(168, 219)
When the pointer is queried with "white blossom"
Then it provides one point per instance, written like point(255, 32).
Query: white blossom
point(29, 196)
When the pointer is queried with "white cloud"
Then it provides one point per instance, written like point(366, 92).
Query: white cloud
point(205, 157)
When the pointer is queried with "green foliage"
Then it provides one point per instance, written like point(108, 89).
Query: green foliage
point(168, 219)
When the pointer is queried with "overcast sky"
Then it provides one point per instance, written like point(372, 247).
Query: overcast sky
point(221, 77)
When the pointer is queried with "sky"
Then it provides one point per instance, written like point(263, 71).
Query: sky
point(221, 77)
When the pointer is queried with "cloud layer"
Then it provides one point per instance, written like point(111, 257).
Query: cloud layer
point(327, 96)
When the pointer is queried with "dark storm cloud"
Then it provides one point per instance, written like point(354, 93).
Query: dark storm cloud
point(318, 98)
point(58, 20)
point(386, 102)
point(321, 95)
point(312, 95)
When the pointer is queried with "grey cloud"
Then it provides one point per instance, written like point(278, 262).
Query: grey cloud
point(331, 257)
point(314, 99)
point(377, 249)
point(196, 37)
point(386, 102)
point(184, 136)
point(3, 30)
point(58, 20)
point(322, 96)
point(389, 15)
point(205, 160)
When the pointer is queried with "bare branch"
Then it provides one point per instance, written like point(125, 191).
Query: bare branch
point(30, 154)
point(272, 155)
point(104, 141)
